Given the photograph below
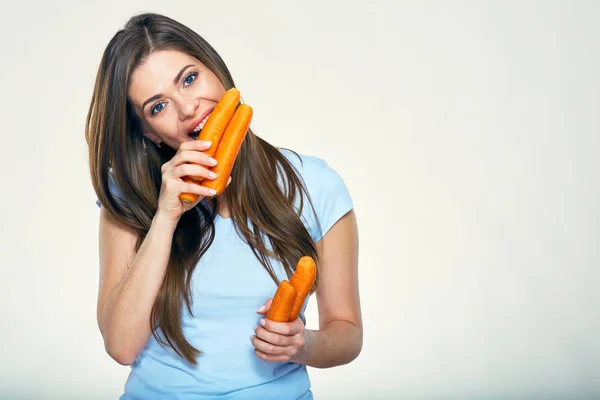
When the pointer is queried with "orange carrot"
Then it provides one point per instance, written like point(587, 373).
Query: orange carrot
point(302, 280)
point(227, 152)
point(229, 147)
point(282, 302)
point(217, 122)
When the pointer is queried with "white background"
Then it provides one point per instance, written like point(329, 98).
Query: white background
point(467, 133)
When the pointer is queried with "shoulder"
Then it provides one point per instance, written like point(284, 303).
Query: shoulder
point(315, 171)
point(328, 193)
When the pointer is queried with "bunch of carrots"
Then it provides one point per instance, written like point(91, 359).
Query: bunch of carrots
point(226, 128)
point(290, 295)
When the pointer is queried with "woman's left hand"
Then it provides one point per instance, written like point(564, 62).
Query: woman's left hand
point(278, 341)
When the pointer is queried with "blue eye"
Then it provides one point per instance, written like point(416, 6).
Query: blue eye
point(190, 79)
point(157, 108)
point(186, 82)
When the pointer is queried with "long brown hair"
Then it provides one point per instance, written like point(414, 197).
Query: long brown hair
point(258, 206)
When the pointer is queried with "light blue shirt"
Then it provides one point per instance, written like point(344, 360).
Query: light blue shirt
point(229, 285)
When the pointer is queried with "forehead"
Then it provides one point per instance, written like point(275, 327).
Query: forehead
point(156, 73)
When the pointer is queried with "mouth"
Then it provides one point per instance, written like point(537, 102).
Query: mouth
point(196, 131)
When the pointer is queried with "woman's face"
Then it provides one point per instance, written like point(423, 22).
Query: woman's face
point(173, 93)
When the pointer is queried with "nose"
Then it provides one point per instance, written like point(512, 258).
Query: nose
point(187, 107)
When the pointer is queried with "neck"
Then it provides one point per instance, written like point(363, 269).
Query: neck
point(223, 210)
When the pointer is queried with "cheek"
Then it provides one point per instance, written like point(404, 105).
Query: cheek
point(218, 90)
point(166, 127)
point(214, 89)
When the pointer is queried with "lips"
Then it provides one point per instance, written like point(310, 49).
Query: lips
point(196, 132)
point(199, 121)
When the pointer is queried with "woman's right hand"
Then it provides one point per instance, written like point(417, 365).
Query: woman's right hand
point(188, 161)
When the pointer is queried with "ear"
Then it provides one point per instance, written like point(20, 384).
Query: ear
point(153, 137)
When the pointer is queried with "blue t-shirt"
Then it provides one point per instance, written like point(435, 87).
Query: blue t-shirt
point(229, 285)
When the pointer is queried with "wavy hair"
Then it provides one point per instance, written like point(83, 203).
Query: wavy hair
point(266, 215)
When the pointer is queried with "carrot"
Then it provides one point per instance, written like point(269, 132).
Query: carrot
point(217, 122)
point(282, 302)
point(229, 147)
point(226, 153)
point(302, 280)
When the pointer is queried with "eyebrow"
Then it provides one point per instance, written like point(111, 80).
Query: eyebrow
point(175, 80)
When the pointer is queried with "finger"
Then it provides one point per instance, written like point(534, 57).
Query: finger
point(192, 152)
point(283, 328)
point(189, 202)
point(267, 306)
point(166, 167)
point(197, 145)
point(192, 170)
point(188, 157)
point(275, 339)
point(270, 358)
point(268, 348)
point(190, 187)
point(193, 157)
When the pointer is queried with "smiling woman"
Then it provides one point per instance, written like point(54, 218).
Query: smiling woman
point(185, 288)
point(168, 96)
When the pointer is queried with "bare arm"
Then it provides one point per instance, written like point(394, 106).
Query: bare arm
point(340, 335)
point(129, 284)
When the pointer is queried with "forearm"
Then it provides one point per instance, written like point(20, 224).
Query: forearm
point(125, 317)
point(337, 343)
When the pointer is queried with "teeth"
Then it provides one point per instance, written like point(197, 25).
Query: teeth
point(197, 129)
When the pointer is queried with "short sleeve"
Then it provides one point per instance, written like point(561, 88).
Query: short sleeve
point(112, 187)
point(329, 194)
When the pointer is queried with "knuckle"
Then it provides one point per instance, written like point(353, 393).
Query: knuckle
point(194, 188)
point(183, 169)
point(192, 170)
point(186, 169)
point(169, 185)
point(185, 146)
point(278, 340)
point(182, 156)
point(192, 155)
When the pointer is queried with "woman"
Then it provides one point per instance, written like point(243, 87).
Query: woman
point(185, 287)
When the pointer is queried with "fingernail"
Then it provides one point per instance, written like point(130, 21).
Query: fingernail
point(263, 322)
point(255, 328)
point(206, 143)
point(251, 337)
point(262, 308)
point(212, 161)
point(212, 174)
